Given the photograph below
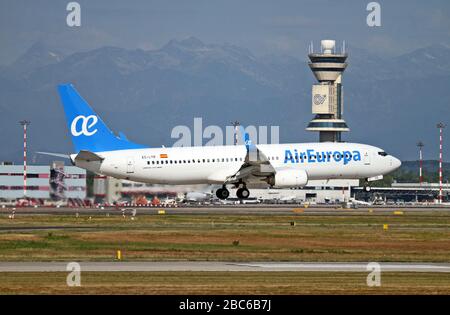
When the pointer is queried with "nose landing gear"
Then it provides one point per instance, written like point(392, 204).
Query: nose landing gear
point(366, 185)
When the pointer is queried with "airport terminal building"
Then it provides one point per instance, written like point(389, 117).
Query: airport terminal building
point(11, 182)
point(404, 192)
point(55, 182)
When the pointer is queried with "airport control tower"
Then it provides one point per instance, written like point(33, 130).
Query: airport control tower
point(327, 96)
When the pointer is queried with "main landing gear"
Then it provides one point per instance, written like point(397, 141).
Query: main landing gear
point(224, 193)
point(242, 193)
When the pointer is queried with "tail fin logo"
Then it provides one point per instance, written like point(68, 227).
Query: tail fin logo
point(87, 122)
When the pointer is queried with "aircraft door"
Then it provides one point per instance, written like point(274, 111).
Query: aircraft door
point(366, 158)
point(130, 165)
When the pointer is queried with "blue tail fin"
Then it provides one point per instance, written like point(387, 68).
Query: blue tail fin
point(87, 129)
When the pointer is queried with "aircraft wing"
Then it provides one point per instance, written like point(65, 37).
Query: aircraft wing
point(256, 166)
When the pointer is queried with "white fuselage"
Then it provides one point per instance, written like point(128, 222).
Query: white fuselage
point(214, 164)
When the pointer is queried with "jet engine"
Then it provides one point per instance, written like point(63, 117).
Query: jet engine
point(288, 178)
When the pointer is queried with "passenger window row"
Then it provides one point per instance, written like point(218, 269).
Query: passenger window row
point(199, 161)
point(193, 161)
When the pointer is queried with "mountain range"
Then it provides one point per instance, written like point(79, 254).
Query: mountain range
point(389, 102)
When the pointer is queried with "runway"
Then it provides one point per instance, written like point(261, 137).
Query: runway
point(218, 266)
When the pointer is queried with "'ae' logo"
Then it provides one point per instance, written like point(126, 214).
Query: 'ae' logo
point(84, 128)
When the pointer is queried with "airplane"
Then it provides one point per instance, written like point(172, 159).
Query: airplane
point(196, 196)
point(99, 150)
point(168, 201)
point(355, 202)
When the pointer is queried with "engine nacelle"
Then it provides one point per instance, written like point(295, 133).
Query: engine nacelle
point(289, 178)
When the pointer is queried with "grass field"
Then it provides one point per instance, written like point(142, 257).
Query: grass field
point(411, 237)
point(229, 283)
point(346, 237)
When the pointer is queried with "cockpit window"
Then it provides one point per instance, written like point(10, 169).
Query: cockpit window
point(382, 153)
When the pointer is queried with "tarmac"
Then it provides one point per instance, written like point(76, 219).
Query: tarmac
point(219, 209)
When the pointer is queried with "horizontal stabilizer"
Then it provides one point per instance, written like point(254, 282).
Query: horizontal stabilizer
point(61, 155)
point(88, 156)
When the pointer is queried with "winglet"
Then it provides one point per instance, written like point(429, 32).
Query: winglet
point(245, 137)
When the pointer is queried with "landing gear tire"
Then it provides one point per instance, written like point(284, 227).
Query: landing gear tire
point(242, 193)
point(222, 193)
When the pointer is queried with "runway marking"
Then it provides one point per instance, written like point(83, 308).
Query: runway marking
point(356, 267)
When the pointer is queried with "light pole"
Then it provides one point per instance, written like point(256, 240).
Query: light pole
point(440, 126)
point(25, 123)
point(420, 145)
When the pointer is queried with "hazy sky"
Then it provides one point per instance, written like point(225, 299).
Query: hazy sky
point(263, 26)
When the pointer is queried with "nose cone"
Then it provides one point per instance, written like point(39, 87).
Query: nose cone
point(395, 163)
